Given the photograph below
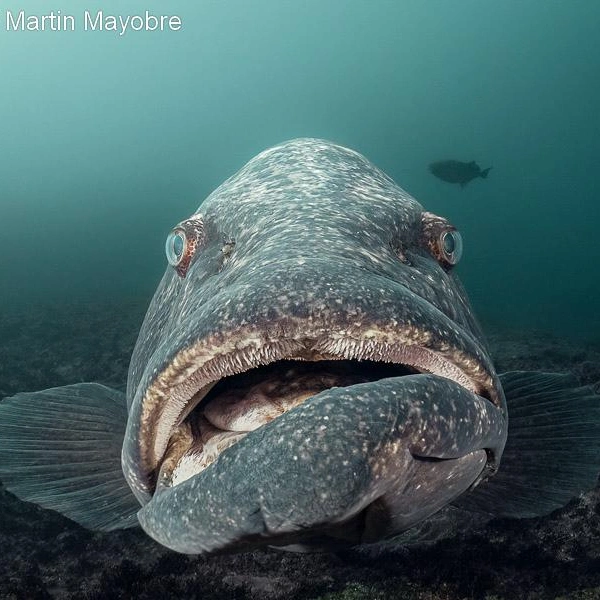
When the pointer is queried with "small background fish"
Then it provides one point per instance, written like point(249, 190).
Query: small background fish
point(456, 171)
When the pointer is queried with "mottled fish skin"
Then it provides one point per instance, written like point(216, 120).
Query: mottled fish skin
point(305, 248)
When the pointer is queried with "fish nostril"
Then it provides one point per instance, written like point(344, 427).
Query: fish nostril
point(399, 251)
point(226, 251)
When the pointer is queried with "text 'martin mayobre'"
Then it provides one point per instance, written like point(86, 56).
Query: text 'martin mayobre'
point(56, 20)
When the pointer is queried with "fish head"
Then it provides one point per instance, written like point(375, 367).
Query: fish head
point(309, 368)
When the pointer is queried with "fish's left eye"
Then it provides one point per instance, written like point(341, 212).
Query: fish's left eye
point(450, 246)
point(182, 243)
point(441, 239)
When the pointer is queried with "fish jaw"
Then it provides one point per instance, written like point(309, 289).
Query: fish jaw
point(351, 465)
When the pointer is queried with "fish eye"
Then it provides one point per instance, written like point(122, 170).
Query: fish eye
point(182, 243)
point(450, 246)
point(175, 247)
point(441, 239)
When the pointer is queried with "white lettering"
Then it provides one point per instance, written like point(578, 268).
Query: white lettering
point(94, 25)
point(125, 23)
point(152, 23)
point(17, 25)
point(92, 21)
point(69, 23)
point(175, 23)
point(110, 23)
point(32, 23)
point(53, 21)
point(136, 23)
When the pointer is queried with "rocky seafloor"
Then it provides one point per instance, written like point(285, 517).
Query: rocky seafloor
point(43, 555)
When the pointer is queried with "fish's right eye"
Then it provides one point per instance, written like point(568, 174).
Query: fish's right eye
point(182, 243)
point(175, 247)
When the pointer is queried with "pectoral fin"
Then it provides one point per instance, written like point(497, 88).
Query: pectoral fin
point(553, 448)
point(61, 448)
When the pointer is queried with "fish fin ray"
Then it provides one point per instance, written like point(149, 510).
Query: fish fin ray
point(553, 449)
point(61, 448)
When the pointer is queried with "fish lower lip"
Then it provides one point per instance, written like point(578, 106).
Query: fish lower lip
point(354, 463)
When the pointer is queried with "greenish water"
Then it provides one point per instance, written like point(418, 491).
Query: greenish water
point(109, 140)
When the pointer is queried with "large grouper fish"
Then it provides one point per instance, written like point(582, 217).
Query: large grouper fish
point(309, 375)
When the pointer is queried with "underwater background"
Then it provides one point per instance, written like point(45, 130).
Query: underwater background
point(108, 141)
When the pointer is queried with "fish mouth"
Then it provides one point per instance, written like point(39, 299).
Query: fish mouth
point(215, 391)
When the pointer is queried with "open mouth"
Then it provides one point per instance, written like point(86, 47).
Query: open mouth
point(203, 404)
point(244, 402)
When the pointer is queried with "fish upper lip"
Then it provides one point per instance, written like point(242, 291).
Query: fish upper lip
point(173, 392)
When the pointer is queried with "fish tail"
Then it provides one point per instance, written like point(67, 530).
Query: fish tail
point(61, 448)
point(485, 172)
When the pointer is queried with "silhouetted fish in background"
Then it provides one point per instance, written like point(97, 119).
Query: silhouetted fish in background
point(456, 171)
